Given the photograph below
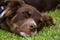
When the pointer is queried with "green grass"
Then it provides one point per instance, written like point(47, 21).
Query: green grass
point(47, 33)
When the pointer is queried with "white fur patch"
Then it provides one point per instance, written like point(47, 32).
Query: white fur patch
point(23, 34)
point(33, 22)
point(2, 7)
point(2, 14)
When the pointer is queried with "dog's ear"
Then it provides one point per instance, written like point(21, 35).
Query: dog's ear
point(12, 6)
point(48, 20)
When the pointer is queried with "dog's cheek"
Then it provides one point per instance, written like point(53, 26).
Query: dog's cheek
point(17, 30)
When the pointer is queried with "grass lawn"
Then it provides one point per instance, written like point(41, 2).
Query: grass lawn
point(47, 33)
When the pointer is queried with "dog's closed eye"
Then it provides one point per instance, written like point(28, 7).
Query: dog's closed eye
point(26, 14)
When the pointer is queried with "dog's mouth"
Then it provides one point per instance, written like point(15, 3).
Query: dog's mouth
point(31, 34)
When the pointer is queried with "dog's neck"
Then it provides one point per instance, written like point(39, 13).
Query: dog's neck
point(2, 11)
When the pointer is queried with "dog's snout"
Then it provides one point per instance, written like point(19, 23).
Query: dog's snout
point(28, 27)
point(33, 27)
point(31, 23)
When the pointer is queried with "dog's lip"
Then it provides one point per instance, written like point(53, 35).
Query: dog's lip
point(34, 33)
point(31, 34)
point(23, 34)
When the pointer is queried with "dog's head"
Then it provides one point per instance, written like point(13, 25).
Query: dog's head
point(24, 22)
point(19, 20)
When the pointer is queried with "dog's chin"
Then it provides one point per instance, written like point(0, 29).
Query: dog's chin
point(31, 34)
point(23, 34)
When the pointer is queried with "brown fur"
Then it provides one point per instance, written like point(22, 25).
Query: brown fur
point(43, 5)
point(18, 18)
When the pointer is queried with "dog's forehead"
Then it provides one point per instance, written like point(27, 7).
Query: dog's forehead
point(25, 8)
point(31, 10)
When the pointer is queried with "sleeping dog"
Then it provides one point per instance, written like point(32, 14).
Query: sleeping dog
point(23, 19)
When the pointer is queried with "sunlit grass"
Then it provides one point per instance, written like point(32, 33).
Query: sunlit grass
point(47, 33)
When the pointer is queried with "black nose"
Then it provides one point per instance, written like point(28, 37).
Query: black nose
point(33, 26)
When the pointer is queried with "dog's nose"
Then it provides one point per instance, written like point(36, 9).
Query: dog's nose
point(32, 25)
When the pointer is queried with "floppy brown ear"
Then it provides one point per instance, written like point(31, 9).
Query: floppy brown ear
point(48, 20)
point(12, 6)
